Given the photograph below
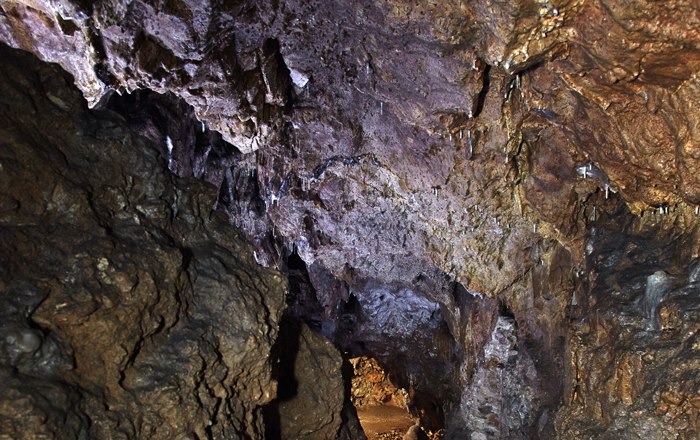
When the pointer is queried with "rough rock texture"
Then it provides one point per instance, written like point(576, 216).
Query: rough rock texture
point(128, 311)
point(434, 178)
point(372, 386)
point(500, 399)
point(633, 363)
point(311, 391)
point(415, 433)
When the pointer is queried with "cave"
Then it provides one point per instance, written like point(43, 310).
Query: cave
point(349, 219)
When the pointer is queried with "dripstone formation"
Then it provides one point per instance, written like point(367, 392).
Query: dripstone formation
point(207, 208)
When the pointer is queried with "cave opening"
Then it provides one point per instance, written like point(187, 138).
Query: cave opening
point(371, 393)
point(382, 407)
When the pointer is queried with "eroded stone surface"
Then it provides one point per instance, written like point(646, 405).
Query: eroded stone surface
point(312, 389)
point(128, 310)
point(431, 165)
point(632, 364)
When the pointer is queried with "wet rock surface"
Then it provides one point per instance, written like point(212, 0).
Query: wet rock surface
point(473, 193)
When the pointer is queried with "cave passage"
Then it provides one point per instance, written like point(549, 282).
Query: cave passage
point(340, 220)
point(382, 407)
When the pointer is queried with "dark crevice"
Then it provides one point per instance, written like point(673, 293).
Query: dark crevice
point(283, 359)
point(302, 302)
point(485, 85)
point(505, 311)
point(102, 70)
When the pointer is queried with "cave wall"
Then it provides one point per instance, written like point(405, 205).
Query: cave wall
point(632, 363)
point(441, 169)
point(129, 310)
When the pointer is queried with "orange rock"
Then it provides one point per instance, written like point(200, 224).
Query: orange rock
point(672, 398)
point(375, 377)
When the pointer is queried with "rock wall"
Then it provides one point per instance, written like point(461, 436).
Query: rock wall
point(432, 178)
point(632, 364)
point(312, 391)
point(128, 309)
point(371, 385)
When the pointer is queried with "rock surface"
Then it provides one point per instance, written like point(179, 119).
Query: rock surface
point(442, 184)
point(632, 365)
point(312, 390)
point(371, 386)
point(128, 311)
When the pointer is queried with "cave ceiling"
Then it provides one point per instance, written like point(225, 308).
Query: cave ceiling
point(436, 180)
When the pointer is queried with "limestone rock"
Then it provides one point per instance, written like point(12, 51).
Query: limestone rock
point(415, 433)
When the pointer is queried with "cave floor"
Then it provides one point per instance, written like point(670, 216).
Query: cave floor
point(384, 422)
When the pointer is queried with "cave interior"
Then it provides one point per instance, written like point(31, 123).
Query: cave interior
point(349, 219)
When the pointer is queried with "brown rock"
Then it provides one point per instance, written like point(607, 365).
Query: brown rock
point(312, 394)
point(438, 167)
point(415, 432)
point(117, 292)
